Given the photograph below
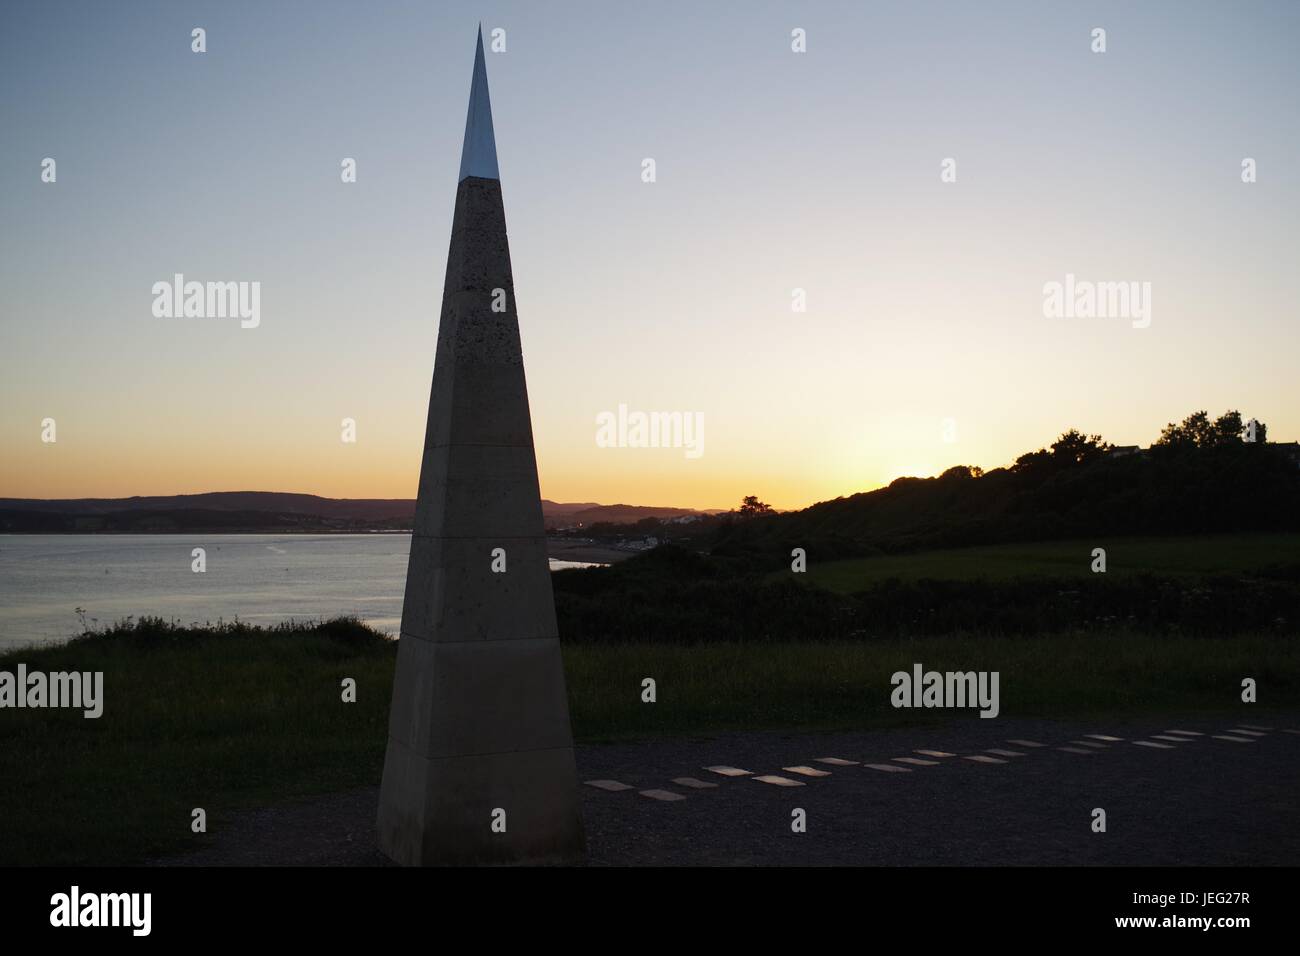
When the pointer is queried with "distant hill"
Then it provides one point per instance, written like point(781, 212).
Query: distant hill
point(269, 501)
point(265, 511)
point(559, 510)
point(613, 514)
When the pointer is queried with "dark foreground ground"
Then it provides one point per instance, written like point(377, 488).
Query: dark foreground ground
point(1205, 801)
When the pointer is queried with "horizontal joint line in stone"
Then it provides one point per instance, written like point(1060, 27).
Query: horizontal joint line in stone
point(490, 753)
point(479, 537)
point(481, 444)
point(482, 640)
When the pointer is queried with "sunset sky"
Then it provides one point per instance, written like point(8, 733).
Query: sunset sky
point(775, 171)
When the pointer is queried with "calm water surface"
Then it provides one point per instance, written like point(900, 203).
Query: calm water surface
point(258, 578)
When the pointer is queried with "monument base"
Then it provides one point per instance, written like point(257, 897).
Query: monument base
point(445, 811)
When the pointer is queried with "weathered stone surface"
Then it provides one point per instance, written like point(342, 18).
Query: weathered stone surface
point(461, 598)
point(478, 492)
point(514, 688)
point(456, 418)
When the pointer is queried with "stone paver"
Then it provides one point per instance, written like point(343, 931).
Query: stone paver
point(778, 781)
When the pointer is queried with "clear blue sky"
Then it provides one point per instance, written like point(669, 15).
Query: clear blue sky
point(775, 171)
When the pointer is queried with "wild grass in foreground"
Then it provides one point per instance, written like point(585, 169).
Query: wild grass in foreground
point(193, 717)
point(842, 685)
point(235, 716)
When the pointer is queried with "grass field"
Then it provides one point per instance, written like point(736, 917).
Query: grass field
point(247, 717)
point(1163, 557)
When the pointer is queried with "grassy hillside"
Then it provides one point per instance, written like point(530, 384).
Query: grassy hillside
point(1230, 488)
point(1166, 557)
point(1208, 585)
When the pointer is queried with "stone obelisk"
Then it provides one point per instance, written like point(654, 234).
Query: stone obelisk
point(480, 765)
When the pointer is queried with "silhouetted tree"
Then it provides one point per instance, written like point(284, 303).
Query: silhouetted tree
point(1032, 460)
point(1197, 431)
point(1194, 432)
point(1072, 448)
point(1226, 428)
point(751, 507)
point(1076, 448)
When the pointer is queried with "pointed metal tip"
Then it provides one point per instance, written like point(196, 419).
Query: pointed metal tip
point(478, 156)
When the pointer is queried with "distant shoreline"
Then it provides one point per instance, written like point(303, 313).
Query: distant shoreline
point(185, 531)
point(591, 553)
point(556, 547)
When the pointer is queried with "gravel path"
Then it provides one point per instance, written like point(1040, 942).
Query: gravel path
point(1202, 801)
